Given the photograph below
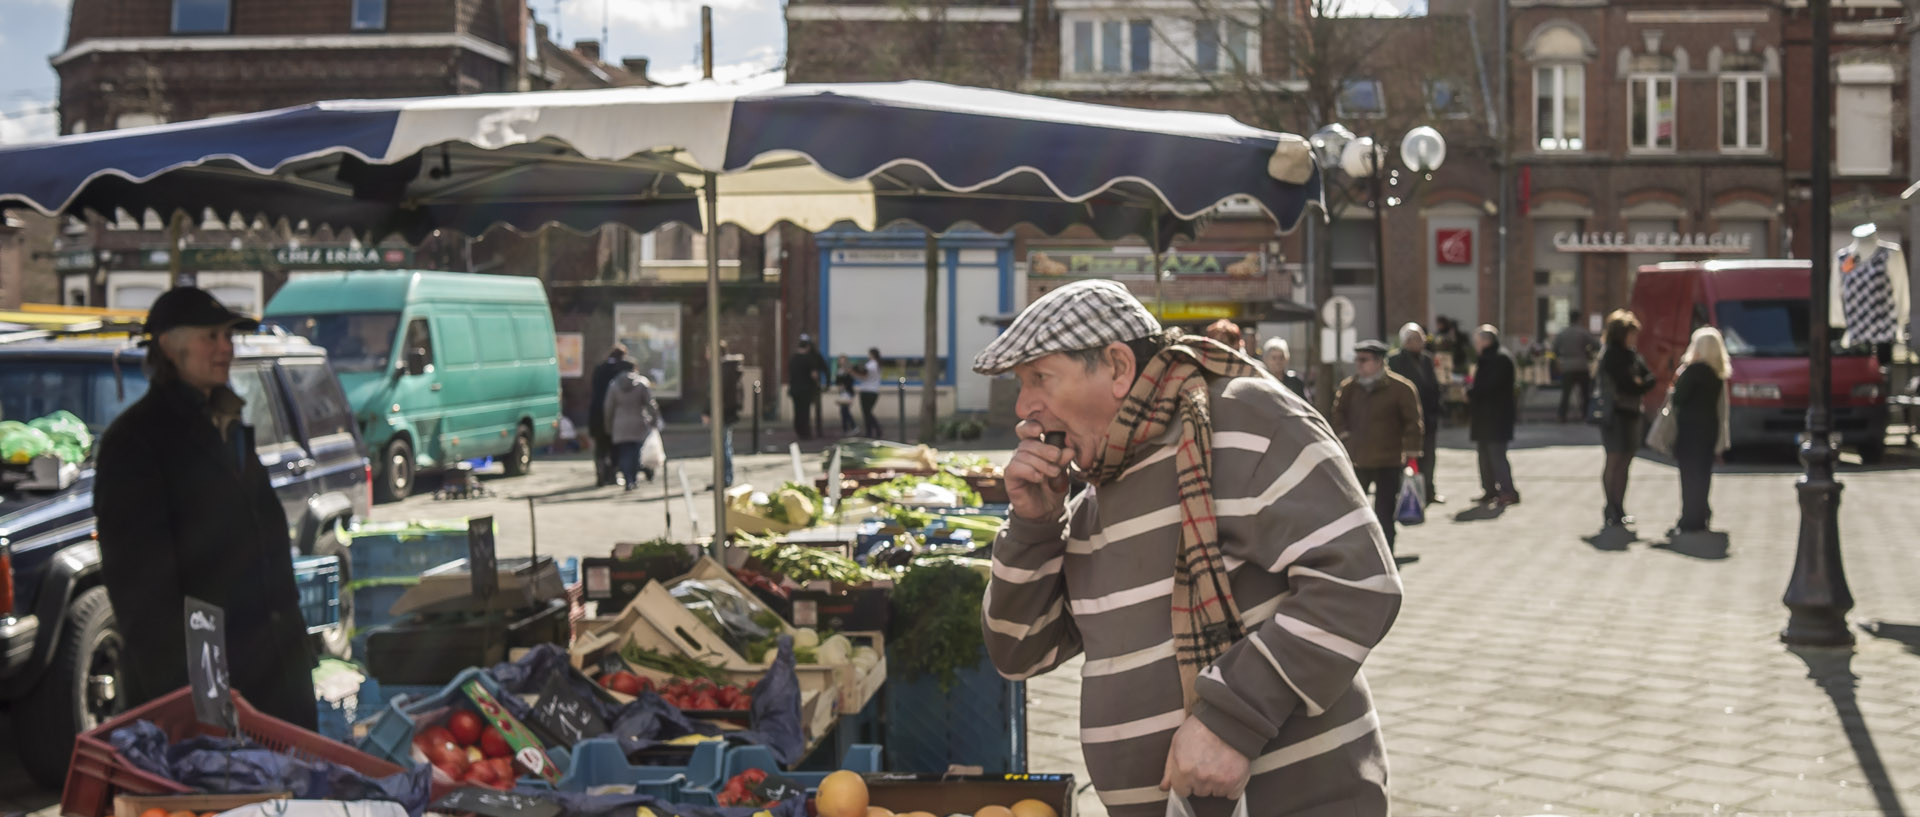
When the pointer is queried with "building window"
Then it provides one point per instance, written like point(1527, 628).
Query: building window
point(1651, 100)
point(369, 15)
point(1221, 46)
point(1863, 125)
point(1362, 99)
point(1445, 98)
point(201, 16)
point(1112, 46)
point(1743, 112)
point(1559, 106)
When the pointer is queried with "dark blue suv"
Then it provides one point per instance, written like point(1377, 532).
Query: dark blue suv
point(59, 649)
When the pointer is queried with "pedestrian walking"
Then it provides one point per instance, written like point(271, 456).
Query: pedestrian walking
point(632, 416)
point(1276, 354)
point(1376, 415)
point(184, 509)
point(1700, 414)
point(869, 385)
point(1493, 405)
point(614, 365)
point(731, 404)
point(1624, 379)
point(1186, 458)
point(843, 394)
point(806, 372)
point(1573, 352)
point(1227, 333)
point(1413, 363)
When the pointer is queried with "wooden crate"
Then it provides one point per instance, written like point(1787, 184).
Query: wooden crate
point(130, 805)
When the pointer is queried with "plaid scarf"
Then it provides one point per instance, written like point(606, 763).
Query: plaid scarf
point(1172, 388)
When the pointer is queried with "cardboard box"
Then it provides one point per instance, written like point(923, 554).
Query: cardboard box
point(819, 686)
point(130, 805)
point(966, 794)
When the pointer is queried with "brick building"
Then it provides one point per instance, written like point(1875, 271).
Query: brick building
point(1246, 59)
point(1871, 132)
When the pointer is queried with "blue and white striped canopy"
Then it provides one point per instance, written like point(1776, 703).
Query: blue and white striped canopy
point(815, 155)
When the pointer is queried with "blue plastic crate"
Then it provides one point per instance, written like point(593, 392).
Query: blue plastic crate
point(381, 551)
point(601, 762)
point(391, 736)
point(318, 580)
point(981, 722)
point(862, 758)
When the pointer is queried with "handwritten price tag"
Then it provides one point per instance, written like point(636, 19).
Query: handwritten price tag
point(207, 666)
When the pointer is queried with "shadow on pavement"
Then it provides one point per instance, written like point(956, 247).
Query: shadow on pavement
point(1907, 634)
point(1707, 545)
point(1480, 513)
point(1613, 538)
point(1832, 669)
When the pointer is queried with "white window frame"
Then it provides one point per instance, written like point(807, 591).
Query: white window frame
point(1854, 76)
point(1743, 116)
point(1463, 104)
point(386, 11)
point(1564, 142)
point(1650, 96)
point(1224, 61)
point(1069, 46)
point(1172, 49)
point(1379, 94)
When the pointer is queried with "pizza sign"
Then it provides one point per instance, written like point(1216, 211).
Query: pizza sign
point(1453, 247)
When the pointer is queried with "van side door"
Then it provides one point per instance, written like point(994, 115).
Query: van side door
point(418, 391)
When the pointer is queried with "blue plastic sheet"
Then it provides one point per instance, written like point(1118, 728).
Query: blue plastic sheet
point(231, 765)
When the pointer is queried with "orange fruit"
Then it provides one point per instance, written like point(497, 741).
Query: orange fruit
point(154, 812)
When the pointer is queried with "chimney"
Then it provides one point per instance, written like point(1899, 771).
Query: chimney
point(636, 66)
point(540, 32)
point(590, 49)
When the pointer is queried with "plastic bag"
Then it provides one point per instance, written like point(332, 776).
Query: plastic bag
point(653, 454)
point(69, 434)
point(738, 619)
point(227, 765)
point(1411, 509)
point(1178, 806)
point(21, 445)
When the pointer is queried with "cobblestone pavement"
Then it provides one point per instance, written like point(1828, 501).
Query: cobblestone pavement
point(1538, 667)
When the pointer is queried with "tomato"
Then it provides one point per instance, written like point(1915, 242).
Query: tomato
point(449, 756)
point(494, 745)
point(705, 701)
point(625, 683)
point(438, 734)
point(504, 770)
point(466, 726)
point(646, 683)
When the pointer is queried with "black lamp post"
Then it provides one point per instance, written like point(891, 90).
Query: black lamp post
point(1363, 159)
point(1817, 595)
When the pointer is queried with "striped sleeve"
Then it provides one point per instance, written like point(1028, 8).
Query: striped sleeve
point(1029, 629)
point(1295, 511)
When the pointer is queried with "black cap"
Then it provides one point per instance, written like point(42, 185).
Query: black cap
point(192, 306)
point(1372, 347)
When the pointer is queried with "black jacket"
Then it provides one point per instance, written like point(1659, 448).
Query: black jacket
point(1629, 377)
point(1417, 367)
point(603, 375)
point(1696, 405)
point(1491, 398)
point(183, 512)
point(805, 372)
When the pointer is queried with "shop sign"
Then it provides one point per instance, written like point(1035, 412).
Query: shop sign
point(1453, 247)
point(1181, 311)
point(249, 258)
point(348, 257)
point(1676, 243)
point(1122, 266)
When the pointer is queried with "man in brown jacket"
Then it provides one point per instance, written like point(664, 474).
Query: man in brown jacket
point(1377, 416)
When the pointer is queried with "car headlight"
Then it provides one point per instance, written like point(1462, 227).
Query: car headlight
point(1756, 391)
point(1867, 391)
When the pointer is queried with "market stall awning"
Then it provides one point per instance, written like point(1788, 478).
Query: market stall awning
point(815, 155)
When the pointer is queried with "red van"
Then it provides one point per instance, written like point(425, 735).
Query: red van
point(1761, 307)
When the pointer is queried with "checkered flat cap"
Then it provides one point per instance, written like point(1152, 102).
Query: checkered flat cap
point(1080, 315)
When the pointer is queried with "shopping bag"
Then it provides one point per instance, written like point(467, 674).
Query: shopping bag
point(1665, 430)
point(1178, 806)
point(653, 453)
point(1411, 509)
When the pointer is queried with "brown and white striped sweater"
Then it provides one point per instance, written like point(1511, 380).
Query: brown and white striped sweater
point(1311, 575)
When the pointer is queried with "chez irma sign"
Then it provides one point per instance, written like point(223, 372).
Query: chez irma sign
point(1655, 242)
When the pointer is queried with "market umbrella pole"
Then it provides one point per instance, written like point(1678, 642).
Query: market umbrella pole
point(716, 408)
point(929, 370)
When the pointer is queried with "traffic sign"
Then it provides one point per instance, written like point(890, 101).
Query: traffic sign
point(1338, 312)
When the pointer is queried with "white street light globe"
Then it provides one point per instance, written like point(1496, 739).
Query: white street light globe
point(1361, 159)
point(1329, 144)
point(1423, 149)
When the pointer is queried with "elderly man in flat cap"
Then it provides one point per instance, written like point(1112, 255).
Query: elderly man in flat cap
point(1197, 532)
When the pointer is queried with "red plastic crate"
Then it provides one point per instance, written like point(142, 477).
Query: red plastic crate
point(98, 772)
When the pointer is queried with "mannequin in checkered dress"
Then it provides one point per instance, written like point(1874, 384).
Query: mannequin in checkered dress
point(1870, 288)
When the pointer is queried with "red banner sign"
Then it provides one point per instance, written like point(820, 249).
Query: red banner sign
point(1453, 247)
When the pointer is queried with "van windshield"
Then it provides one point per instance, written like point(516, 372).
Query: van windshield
point(355, 341)
point(30, 389)
point(1773, 328)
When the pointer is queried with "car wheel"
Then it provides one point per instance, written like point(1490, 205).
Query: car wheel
point(337, 642)
point(396, 472)
point(80, 690)
point(520, 457)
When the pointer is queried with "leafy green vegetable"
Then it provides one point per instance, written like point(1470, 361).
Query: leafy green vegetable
point(901, 488)
point(678, 665)
point(936, 620)
point(805, 564)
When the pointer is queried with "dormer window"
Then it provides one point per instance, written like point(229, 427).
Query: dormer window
point(202, 16)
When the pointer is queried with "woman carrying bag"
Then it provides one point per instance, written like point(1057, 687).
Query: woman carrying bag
point(1693, 426)
point(1624, 379)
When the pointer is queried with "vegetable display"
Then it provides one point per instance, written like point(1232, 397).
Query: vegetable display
point(901, 489)
point(467, 751)
point(679, 665)
point(806, 564)
point(937, 619)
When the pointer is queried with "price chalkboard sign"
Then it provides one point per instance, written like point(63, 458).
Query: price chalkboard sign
point(491, 803)
point(481, 563)
point(207, 666)
point(564, 715)
point(776, 788)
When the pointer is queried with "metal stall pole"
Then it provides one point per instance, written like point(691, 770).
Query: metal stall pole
point(902, 385)
point(756, 418)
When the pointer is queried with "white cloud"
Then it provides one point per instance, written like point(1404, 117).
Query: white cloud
point(29, 121)
point(650, 16)
point(759, 66)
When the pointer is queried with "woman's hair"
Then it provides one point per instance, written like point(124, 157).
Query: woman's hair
point(1276, 345)
point(1619, 323)
point(1708, 347)
point(874, 353)
point(1411, 330)
point(158, 365)
point(1225, 331)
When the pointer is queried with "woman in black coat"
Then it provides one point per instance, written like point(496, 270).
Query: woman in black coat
point(1624, 379)
point(185, 509)
point(1700, 424)
point(1491, 402)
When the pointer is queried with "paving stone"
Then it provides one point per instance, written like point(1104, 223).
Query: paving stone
point(1631, 780)
point(1556, 769)
point(1642, 744)
point(1708, 773)
point(1726, 796)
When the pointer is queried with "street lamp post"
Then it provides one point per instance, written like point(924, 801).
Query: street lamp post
point(1817, 596)
point(1423, 150)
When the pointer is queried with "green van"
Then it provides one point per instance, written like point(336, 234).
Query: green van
point(441, 367)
